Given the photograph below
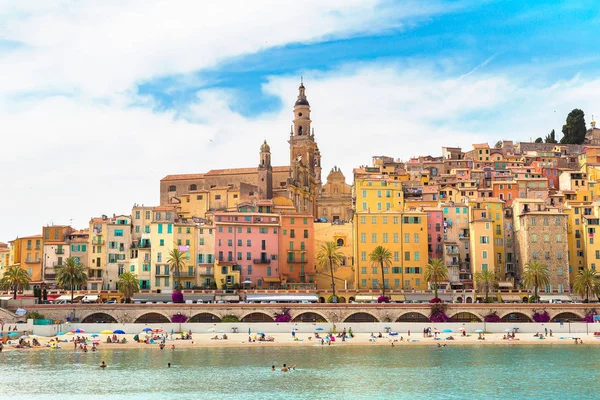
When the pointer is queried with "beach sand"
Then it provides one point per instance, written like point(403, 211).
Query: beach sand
point(285, 339)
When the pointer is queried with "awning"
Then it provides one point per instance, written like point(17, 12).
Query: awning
point(427, 296)
point(313, 298)
point(550, 297)
point(64, 297)
point(270, 279)
point(90, 298)
point(511, 297)
point(397, 297)
point(6, 298)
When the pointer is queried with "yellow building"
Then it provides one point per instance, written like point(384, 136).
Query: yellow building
point(341, 235)
point(488, 210)
point(185, 239)
point(377, 193)
point(97, 254)
point(162, 241)
point(27, 253)
point(404, 234)
point(4, 257)
point(205, 255)
point(199, 202)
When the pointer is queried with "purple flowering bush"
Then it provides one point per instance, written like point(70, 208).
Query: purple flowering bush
point(284, 316)
point(492, 317)
point(383, 299)
point(589, 315)
point(177, 297)
point(179, 318)
point(541, 316)
point(438, 313)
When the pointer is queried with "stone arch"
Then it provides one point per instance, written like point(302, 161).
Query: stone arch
point(361, 317)
point(152, 318)
point(99, 317)
point(257, 317)
point(340, 242)
point(321, 299)
point(412, 317)
point(516, 317)
point(205, 317)
point(459, 299)
point(465, 317)
point(350, 299)
point(564, 316)
point(341, 299)
point(469, 300)
point(310, 316)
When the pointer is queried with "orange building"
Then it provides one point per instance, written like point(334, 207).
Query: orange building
point(297, 250)
point(27, 253)
point(505, 190)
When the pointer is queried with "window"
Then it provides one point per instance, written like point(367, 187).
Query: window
point(395, 219)
point(484, 239)
point(373, 238)
point(374, 220)
point(162, 242)
point(374, 270)
point(417, 256)
point(416, 238)
point(385, 220)
point(118, 232)
point(385, 238)
point(484, 254)
point(172, 188)
point(407, 256)
point(306, 234)
point(407, 238)
point(546, 238)
point(363, 219)
point(363, 256)
point(395, 238)
point(363, 270)
point(558, 238)
point(363, 238)
point(248, 243)
point(396, 256)
point(533, 238)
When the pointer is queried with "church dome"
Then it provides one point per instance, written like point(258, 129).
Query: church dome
point(265, 147)
point(302, 102)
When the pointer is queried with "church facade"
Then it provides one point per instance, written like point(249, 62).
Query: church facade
point(223, 189)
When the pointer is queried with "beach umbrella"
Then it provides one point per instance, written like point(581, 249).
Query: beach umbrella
point(60, 333)
point(69, 333)
point(24, 337)
point(147, 330)
point(260, 333)
point(319, 329)
point(78, 330)
point(160, 330)
point(508, 330)
point(95, 341)
point(106, 332)
point(249, 331)
point(447, 331)
point(119, 332)
point(221, 331)
point(479, 331)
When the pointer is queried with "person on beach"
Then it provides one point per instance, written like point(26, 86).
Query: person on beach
point(550, 332)
point(103, 365)
point(173, 347)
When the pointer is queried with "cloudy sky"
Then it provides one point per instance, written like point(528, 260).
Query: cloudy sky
point(100, 100)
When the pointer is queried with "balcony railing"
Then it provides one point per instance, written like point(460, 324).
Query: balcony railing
point(98, 242)
point(187, 273)
point(262, 261)
point(59, 251)
point(206, 271)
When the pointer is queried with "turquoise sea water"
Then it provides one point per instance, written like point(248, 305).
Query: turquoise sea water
point(358, 372)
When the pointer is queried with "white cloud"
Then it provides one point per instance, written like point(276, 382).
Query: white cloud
point(92, 152)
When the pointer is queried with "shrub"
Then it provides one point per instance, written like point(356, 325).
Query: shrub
point(589, 315)
point(435, 300)
point(177, 297)
point(35, 315)
point(230, 318)
point(438, 313)
point(284, 316)
point(383, 299)
point(534, 299)
point(330, 299)
point(541, 316)
point(492, 317)
point(179, 318)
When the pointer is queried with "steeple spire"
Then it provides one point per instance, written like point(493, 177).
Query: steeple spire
point(301, 94)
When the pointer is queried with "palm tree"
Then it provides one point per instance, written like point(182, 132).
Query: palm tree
point(329, 258)
point(176, 261)
point(129, 284)
point(535, 275)
point(436, 271)
point(71, 273)
point(486, 280)
point(15, 278)
point(382, 256)
point(585, 282)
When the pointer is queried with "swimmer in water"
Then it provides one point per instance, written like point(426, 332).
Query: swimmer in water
point(273, 368)
point(284, 368)
point(169, 365)
point(103, 365)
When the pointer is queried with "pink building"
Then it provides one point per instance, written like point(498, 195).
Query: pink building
point(435, 228)
point(248, 242)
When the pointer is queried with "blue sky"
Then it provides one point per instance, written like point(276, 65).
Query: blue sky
point(100, 100)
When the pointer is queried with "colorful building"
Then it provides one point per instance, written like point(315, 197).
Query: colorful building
point(297, 266)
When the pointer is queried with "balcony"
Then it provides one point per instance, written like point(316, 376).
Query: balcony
point(294, 260)
point(162, 273)
point(98, 242)
point(30, 261)
point(206, 271)
point(262, 261)
point(59, 251)
point(452, 250)
point(187, 273)
point(95, 279)
point(49, 277)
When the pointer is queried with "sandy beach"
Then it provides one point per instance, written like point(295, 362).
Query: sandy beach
point(281, 339)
